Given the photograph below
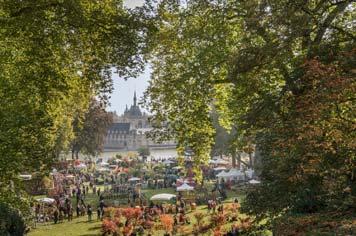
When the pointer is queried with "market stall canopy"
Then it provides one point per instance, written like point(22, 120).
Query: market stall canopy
point(253, 181)
point(221, 162)
point(70, 176)
point(223, 174)
point(134, 179)
point(163, 197)
point(26, 177)
point(250, 173)
point(168, 162)
point(103, 170)
point(235, 173)
point(177, 167)
point(185, 187)
point(104, 164)
point(219, 168)
point(46, 200)
point(81, 166)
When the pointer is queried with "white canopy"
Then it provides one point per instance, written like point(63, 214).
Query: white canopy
point(250, 173)
point(134, 179)
point(223, 174)
point(253, 181)
point(80, 166)
point(70, 176)
point(46, 200)
point(103, 170)
point(26, 177)
point(162, 197)
point(235, 173)
point(177, 168)
point(104, 164)
point(221, 162)
point(168, 162)
point(185, 187)
point(219, 168)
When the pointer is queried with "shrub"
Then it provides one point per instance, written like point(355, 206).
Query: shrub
point(108, 227)
point(167, 222)
point(11, 221)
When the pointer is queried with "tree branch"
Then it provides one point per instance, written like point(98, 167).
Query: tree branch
point(329, 19)
point(341, 30)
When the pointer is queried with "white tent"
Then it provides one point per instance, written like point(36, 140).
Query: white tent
point(104, 164)
point(219, 168)
point(177, 167)
point(168, 162)
point(26, 177)
point(249, 173)
point(80, 166)
point(134, 179)
point(253, 181)
point(223, 174)
point(185, 187)
point(103, 170)
point(70, 176)
point(236, 174)
point(162, 197)
point(221, 162)
point(46, 200)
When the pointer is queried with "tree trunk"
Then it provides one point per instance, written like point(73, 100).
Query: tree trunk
point(250, 160)
point(239, 160)
point(233, 159)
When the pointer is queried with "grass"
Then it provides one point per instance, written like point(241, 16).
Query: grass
point(78, 227)
point(81, 227)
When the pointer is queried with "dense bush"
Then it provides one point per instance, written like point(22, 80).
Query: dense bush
point(11, 221)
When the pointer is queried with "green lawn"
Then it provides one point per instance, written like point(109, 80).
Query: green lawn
point(78, 227)
point(81, 227)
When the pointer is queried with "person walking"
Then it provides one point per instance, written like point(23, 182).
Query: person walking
point(89, 212)
point(98, 211)
point(78, 210)
point(55, 215)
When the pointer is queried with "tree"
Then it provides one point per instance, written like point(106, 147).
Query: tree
point(261, 64)
point(56, 56)
point(143, 152)
point(90, 135)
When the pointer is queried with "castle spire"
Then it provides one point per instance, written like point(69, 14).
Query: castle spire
point(135, 99)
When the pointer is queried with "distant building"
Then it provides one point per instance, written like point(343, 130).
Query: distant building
point(129, 131)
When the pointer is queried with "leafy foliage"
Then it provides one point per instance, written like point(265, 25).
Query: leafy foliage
point(90, 135)
point(54, 57)
point(280, 75)
point(12, 222)
point(167, 222)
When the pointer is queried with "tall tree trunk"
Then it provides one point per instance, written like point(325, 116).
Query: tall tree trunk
point(250, 159)
point(239, 160)
point(233, 159)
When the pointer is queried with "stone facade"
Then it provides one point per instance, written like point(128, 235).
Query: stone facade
point(129, 131)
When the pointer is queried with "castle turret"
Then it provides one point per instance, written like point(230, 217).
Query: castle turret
point(135, 99)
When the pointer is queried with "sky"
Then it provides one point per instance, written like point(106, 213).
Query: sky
point(124, 89)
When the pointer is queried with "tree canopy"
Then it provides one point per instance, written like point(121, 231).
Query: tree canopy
point(91, 131)
point(280, 75)
point(55, 56)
